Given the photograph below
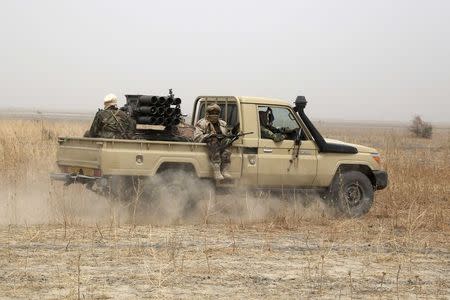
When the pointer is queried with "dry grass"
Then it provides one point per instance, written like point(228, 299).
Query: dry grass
point(83, 247)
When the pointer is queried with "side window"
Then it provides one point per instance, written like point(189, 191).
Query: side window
point(278, 120)
point(232, 115)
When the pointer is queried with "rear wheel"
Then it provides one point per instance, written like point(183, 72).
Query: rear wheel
point(122, 188)
point(173, 195)
point(352, 193)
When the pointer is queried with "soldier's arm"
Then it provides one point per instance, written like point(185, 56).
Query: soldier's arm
point(274, 129)
point(200, 133)
point(131, 127)
point(268, 134)
point(95, 127)
point(225, 126)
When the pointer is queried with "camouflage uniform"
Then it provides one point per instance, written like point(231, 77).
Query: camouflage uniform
point(203, 130)
point(268, 131)
point(112, 123)
point(206, 131)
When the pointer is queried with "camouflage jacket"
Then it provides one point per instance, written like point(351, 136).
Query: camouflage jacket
point(113, 124)
point(204, 127)
point(273, 133)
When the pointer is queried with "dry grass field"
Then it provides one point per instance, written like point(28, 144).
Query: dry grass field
point(65, 242)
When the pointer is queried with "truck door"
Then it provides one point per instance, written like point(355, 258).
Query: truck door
point(275, 165)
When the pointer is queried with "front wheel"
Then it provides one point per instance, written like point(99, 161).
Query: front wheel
point(352, 193)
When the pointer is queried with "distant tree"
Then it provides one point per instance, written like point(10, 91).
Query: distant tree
point(420, 128)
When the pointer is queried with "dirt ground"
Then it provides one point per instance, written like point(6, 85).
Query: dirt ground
point(220, 261)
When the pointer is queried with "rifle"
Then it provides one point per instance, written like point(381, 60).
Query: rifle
point(231, 138)
point(296, 149)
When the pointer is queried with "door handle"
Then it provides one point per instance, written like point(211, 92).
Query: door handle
point(267, 150)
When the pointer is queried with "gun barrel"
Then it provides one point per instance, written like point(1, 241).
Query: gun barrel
point(146, 120)
point(163, 101)
point(176, 101)
point(148, 100)
point(160, 110)
point(172, 111)
point(148, 110)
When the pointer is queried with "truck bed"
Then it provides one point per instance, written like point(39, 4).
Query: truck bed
point(131, 157)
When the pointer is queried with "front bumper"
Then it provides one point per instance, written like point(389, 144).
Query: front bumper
point(381, 179)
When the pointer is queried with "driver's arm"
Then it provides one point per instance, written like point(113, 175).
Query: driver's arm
point(266, 133)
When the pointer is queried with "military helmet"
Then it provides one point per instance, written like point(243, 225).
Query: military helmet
point(213, 109)
point(110, 100)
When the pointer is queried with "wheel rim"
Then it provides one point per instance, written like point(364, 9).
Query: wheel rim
point(353, 194)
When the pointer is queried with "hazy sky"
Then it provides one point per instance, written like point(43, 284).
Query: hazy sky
point(375, 60)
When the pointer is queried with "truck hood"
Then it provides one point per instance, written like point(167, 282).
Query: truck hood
point(361, 148)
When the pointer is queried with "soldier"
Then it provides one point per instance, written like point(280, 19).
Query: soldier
point(267, 130)
point(209, 130)
point(111, 122)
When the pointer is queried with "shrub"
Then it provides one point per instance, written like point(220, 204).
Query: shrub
point(421, 128)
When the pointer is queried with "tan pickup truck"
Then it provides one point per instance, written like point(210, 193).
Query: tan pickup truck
point(346, 175)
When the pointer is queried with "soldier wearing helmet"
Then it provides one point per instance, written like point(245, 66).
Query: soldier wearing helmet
point(111, 122)
point(211, 130)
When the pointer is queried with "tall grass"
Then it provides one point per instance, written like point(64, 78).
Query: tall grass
point(419, 170)
point(28, 147)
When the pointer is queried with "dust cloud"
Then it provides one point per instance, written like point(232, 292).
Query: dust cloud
point(165, 199)
point(49, 202)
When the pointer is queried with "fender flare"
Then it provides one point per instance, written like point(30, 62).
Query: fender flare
point(172, 162)
point(361, 166)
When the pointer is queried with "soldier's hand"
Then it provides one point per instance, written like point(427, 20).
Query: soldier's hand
point(226, 141)
point(208, 136)
point(278, 137)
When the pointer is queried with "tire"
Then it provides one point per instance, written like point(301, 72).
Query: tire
point(175, 194)
point(121, 188)
point(352, 193)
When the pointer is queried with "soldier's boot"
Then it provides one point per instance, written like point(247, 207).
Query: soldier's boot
point(217, 175)
point(226, 171)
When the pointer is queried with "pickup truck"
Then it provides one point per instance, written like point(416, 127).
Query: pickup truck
point(346, 175)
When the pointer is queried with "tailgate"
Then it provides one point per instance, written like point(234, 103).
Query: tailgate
point(75, 153)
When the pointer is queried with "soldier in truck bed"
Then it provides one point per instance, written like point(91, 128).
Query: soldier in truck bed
point(111, 122)
point(212, 131)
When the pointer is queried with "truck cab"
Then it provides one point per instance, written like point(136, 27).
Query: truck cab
point(260, 161)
